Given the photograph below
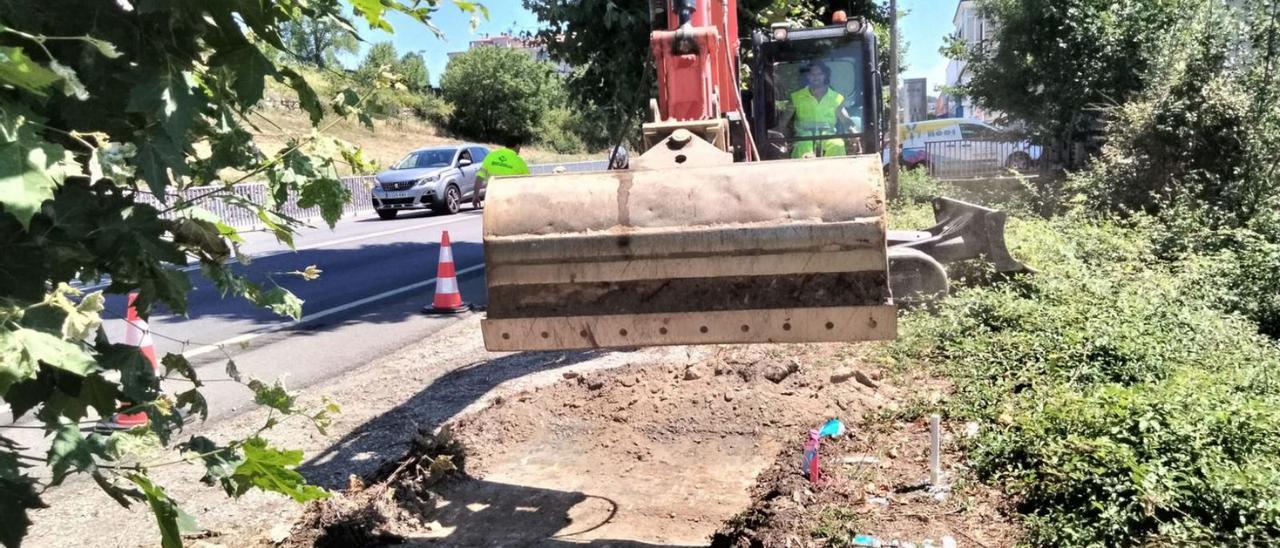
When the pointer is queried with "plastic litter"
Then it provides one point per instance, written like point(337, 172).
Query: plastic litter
point(811, 455)
point(832, 429)
point(867, 541)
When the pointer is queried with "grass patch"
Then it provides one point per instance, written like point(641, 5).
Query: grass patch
point(837, 525)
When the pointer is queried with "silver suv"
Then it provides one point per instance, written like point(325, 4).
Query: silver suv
point(436, 178)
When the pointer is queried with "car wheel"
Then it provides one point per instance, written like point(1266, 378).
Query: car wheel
point(452, 201)
point(1019, 161)
point(387, 214)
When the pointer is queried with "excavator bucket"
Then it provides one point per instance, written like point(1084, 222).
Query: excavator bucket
point(784, 251)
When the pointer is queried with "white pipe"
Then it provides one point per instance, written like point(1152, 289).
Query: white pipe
point(935, 450)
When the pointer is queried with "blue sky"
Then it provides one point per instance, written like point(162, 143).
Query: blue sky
point(926, 22)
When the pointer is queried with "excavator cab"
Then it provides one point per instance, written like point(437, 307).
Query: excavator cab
point(757, 223)
point(815, 91)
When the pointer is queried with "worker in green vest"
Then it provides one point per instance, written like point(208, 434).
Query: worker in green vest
point(817, 110)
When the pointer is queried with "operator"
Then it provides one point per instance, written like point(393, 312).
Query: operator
point(817, 110)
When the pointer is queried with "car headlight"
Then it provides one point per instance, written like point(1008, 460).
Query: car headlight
point(427, 180)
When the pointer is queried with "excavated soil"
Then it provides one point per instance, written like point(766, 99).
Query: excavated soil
point(668, 451)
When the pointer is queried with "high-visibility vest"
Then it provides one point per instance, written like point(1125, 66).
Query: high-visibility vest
point(816, 114)
point(815, 117)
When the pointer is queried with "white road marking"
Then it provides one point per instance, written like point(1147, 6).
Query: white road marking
point(238, 339)
point(318, 245)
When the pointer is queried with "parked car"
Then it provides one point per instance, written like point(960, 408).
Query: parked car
point(956, 142)
point(436, 178)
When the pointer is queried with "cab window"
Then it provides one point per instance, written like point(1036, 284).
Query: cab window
point(816, 103)
point(466, 155)
point(478, 154)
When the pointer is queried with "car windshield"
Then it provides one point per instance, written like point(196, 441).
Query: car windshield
point(418, 159)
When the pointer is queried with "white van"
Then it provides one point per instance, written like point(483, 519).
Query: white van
point(961, 141)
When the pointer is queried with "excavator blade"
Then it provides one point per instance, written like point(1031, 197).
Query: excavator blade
point(785, 251)
point(963, 231)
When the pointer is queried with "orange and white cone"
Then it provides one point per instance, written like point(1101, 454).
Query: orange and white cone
point(447, 299)
point(136, 333)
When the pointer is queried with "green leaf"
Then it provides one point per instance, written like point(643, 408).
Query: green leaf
point(124, 497)
point(83, 320)
point(101, 394)
point(71, 84)
point(193, 401)
point(328, 193)
point(307, 98)
point(15, 364)
point(107, 49)
point(220, 463)
point(137, 443)
point(272, 470)
point(30, 168)
point(69, 451)
point(54, 351)
point(165, 510)
point(203, 236)
point(187, 523)
point(276, 226)
point(26, 395)
point(138, 381)
point(20, 71)
point(250, 68)
point(17, 497)
point(64, 401)
point(112, 161)
point(155, 157)
point(167, 98)
point(274, 396)
point(372, 11)
point(282, 302)
point(177, 362)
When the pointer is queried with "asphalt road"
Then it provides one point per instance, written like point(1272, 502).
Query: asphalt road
point(377, 276)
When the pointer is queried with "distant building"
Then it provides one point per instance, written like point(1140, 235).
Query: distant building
point(524, 42)
point(975, 31)
point(916, 92)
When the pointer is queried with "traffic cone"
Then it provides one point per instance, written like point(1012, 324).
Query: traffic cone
point(136, 333)
point(447, 299)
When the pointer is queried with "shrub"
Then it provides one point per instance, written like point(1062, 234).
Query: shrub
point(558, 131)
point(1124, 407)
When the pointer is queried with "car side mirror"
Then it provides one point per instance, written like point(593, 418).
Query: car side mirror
point(464, 162)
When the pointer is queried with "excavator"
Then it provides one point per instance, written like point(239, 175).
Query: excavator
point(735, 225)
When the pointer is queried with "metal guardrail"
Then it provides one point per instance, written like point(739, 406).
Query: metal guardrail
point(594, 165)
point(974, 159)
point(361, 196)
point(238, 217)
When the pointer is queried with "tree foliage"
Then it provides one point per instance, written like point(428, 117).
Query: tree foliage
point(318, 41)
point(1055, 65)
point(102, 103)
point(381, 57)
point(1206, 132)
point(413, 69)
point(498, 94)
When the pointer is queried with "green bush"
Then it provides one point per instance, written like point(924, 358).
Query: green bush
point(558, 131)
point(1189, 459)
point(1123, 405)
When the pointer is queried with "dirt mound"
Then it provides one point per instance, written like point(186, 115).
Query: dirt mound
point(398, 492)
